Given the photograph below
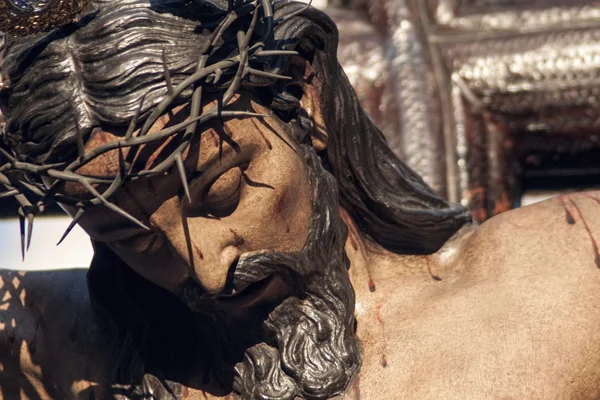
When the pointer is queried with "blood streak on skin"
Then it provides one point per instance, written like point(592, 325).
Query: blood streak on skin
point(592, 197)
point(282, 202)
point(237, 239)
point(435, 277)
point(263, 135)
point(568, 215)
point(372, 287)
point(353, 238)
point(587, 228)
point(215, 137)
point(200, 255)
point(356, 387)
point(379, 317)
point(384, 362)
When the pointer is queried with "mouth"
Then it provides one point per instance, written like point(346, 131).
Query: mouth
point(247, 288)
point(251, 288)
point(255, 293)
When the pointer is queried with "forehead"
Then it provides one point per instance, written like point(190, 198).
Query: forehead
point(213, 142)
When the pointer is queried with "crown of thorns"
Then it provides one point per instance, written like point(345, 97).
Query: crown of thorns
point(33, 196)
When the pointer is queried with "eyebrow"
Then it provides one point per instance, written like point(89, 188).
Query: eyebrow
point(123, 230)
point(220, 152)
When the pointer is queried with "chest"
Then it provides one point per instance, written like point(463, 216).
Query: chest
point(495, 338)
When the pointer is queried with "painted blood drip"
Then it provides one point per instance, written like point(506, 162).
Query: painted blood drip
point(435, 277)
point(384, 362)
point(200, 255)
point(356, 387)
point(268, 143)
point(592, 197)
point(568, 215)
point(372, 287)
point(589, 231)
point(352, 241)
point(379, 317)
point(237, 239)
point(215, 137)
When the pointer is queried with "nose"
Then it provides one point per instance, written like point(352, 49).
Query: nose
point(212, 267)
point(209, 248)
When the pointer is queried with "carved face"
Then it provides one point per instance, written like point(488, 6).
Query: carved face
point(249, 194)
point(262, 232)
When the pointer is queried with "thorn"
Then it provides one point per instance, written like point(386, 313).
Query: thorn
point(122, 169)
point(201, 62)
point(44, 168)
point(218, 75)
point(248, 35)
point(167, 73)
point(267, 74)
point(30, 218)
point(74, 222)
point(22, 231)
point(111, 206)
point(39, 191)
point(240, 114)
point(7, 155)
point(80, 145)
point(182, 176)
point(134, 120)
point(267, 53)
point(10, 193)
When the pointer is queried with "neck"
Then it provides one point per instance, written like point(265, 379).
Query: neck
point(378, 274)
point(385, 282)
point(371, 264)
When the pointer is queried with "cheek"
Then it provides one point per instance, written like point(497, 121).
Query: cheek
point(291, 209)
point(281, 217)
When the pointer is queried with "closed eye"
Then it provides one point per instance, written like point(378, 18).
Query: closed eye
point(219, 198)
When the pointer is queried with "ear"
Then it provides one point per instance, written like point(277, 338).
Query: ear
point(303, 72)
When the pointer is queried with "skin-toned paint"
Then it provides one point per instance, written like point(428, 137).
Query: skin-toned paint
point(508, 309)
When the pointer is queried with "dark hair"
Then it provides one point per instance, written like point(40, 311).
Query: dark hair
point(390, 203)
point(95, 72)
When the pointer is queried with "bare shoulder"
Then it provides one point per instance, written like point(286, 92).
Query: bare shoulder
point(563, 231)
point(548, 259)
point(521, 316)
point(48, 334)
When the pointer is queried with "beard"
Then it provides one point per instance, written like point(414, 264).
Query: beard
point(306, 345)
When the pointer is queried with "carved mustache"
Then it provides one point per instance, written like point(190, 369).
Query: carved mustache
point(295, 269)
point(252, 269)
